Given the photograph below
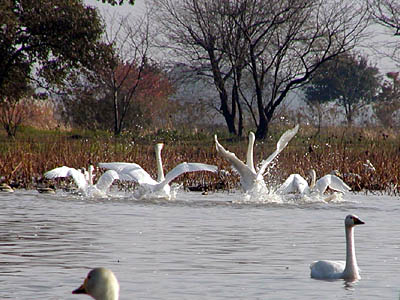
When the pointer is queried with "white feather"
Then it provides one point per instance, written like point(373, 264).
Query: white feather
point(85, 182)
point(149, 187)
point(249, 178)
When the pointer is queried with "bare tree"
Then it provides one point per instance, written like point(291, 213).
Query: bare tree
point(128, 90)
point(195, 32)
point(122, 76)
point(278, 43)
point(387, 14)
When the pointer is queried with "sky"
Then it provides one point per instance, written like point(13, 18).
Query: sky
point(138, 8)
point(381, 36)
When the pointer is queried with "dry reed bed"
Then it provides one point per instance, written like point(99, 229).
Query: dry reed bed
point(23, 163)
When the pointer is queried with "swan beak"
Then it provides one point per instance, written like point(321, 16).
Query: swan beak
point(81, 289)
point(357, 221)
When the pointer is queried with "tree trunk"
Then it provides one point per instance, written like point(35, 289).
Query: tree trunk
point(223, 95)
point(236, 102)
point(116, 113)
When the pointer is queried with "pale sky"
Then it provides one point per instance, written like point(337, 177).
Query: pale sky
point(379, 40)
point(138, 8)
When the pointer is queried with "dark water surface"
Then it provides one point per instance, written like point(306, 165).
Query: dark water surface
point(197, 247)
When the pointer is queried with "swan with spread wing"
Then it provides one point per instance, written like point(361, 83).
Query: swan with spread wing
point(84, 179)
point(296, 184)
point(249, 177)
point(149, 187)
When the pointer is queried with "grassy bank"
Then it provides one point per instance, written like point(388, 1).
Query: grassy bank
point(24, 160)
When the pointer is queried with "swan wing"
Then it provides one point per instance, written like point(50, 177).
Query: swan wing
point(106, 180)
point(78, 176)
point(333, 182)
point(185, 168)
point(138, 175)
point(118, 166)
point(58, 172)
point(241, 168)
point(282, 143)
point(129, 172)
point(295, 183)
point(338, 184)
point(327, 269)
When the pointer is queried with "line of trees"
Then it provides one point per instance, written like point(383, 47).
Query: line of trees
point(254, 52)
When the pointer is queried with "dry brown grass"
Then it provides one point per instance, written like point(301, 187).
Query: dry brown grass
point(23, 162)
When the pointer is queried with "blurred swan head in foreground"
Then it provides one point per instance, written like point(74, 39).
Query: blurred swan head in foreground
point(100, 284)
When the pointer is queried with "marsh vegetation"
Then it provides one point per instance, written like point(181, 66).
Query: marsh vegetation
point(24, 160)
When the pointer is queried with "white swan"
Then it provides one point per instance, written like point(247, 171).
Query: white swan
point(84, 181)
point(249, 178)
point(100, 284)
point(295, 183)
point(348, 270)
point(148, 187)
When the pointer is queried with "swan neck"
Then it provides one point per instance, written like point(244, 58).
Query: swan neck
point(313, 179)
point(160, 171)
point(90, 175)
point(249, 158)
point(351, 269)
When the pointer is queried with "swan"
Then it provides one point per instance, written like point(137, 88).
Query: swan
point(295, 183)
point(84, 180)
point(249, 177)
point(348, 270)
point(100, 284)
point(149, 187)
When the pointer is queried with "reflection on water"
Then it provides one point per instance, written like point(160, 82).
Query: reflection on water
point(217, 246)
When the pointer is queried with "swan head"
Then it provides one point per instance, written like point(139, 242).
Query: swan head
point(100, 284)
point(160, 171)
point(312, 173)
point(352, 220)
point(159, 147)
point(252, 137)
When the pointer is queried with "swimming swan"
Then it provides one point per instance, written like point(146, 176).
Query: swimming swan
point(148, 187)
point(100, 284)
point(85, 181)
point(295, 183)
point(348, 270)
point(249, 178)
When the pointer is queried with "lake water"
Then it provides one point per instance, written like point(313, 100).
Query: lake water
point(197, 247)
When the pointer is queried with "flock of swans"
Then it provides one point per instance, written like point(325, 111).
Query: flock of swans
point(251, 180)
point(147, 186)
point(101, 283)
